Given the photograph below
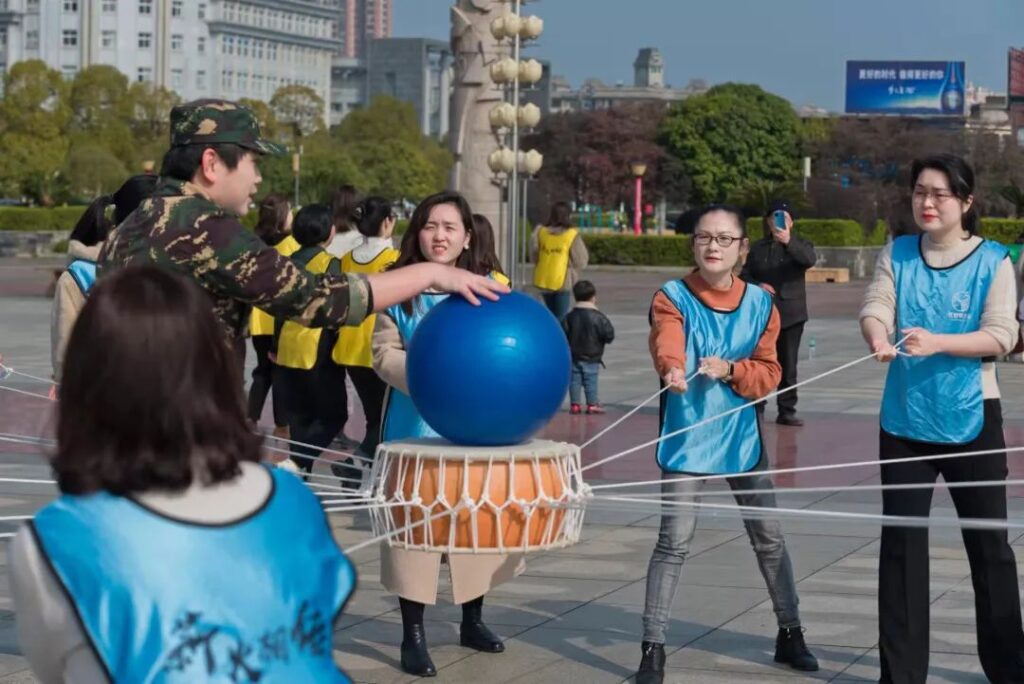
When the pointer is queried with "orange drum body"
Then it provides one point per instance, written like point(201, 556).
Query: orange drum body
point(441, 497)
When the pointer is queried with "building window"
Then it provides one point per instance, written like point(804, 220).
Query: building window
point(201, 45)
point(145, 40)
point(71, 6)
point(228, 78)
point(32, 40)
point(201, 80)
point(177, 40)
point(176, 7)
point(110, 6)
point(70, 38)
point(145, 6)
point(202, 11)
point(32, 6)
point(68, 71)
point(177, 79)
point(145, 74)
point(109, 39)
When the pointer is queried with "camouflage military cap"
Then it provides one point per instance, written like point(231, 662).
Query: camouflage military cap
point(210, 122)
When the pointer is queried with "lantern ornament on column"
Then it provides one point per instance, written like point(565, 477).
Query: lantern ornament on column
point(502, 116)
point(529, 115)
point(530, 162)
point(530, 71)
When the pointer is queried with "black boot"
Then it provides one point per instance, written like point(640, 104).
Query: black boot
point(474, 633)
point(652, 664)
point(791, 649)
point(415, 658)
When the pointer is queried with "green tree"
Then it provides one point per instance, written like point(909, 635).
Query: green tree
point(269, 126)
point(298, 107)
point(149, 118)
point(93, 170)
point(33, 135)
point(730, 136)
point(100, 112)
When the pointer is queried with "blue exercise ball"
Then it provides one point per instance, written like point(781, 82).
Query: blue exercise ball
point(488, 375)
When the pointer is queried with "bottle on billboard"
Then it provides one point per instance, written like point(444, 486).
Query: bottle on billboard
point(952, 94)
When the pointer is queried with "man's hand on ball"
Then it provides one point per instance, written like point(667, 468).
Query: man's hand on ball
point(676, 380)
point(469, 285)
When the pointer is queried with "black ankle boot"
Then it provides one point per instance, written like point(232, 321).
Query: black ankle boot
point(415, 659)
point(652, 664)
point(473, 633)
point(791, 649)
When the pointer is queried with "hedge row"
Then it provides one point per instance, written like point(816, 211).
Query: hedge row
point(639, 250)
point(830, 232)
point(38, 219)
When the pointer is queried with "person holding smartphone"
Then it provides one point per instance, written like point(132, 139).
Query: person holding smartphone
point(780, 260)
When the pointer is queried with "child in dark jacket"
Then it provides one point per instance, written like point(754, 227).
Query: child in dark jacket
point(588, 331)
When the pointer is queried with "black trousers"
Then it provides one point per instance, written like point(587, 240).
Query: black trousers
point(262, 379)
point(370, 389)
point(788, 349)
point(903, 587)
point(317, 403)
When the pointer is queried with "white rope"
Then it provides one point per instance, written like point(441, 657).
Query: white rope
point(737, 409)
point(634, 410)
point(29, 394)
point(45, 381)
point(318, 448)
point(807, 469)
point(394, 533)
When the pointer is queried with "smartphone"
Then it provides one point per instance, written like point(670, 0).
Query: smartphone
point(780, 220)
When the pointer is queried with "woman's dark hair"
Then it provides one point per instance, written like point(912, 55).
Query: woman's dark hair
point(560, 216)
point(312, 225)
point(372, 214)
point(736, 212)
point(345, 208)
point(151, 394)
point(93, 225)
point(271, 226)
point(182, 162)
point(961, 181)
point(409, 252)
point(484, 235)
point(130, 195)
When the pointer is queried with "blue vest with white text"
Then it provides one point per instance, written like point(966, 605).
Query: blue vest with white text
point(401, 419)
point(173, 602)
point(84, 274)
point(938, 398)
point(731, 444)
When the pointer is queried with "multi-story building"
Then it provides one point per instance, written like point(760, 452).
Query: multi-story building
point(362, 21)
point(416, 70)
point(197, 48)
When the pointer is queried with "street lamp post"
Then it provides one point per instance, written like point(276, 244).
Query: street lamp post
point(639, 169)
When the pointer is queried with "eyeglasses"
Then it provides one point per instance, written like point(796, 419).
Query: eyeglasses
point(940, 196)
point(703, 239)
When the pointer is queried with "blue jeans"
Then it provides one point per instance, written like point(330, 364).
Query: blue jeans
point(678, 525)
point(584, 376)
point(559, 303)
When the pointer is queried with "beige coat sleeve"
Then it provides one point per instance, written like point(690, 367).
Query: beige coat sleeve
point(579, 257)
point(880, 298)
point(48, 630)
point(389, 352)
point(999, 317)
point(68, 300)
point(534, 244)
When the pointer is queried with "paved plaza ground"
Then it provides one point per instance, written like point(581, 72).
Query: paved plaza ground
point(574, 616)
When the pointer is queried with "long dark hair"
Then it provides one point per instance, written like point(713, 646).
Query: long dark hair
point(409, 253)
point(273, 218)
point(560, 216)
point(151, 395)
point(372, 214)
point(345, 208)
point(93, 226)
point(484, 234)
point(961, 182)
point(130, 195)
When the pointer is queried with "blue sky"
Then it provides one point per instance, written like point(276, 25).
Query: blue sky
point(794, 48)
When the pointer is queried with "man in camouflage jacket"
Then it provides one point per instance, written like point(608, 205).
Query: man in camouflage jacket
point(191, 225)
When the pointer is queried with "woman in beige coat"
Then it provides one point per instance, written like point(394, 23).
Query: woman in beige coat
point(83, 248)
point(441, 231)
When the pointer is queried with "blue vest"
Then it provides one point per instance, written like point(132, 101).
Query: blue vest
point(938, 398)
point(84, 274)
point(731, 444)
point(173, 602)
point(401, 419)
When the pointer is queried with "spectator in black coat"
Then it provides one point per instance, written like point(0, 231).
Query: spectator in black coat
point(588, 331)
point(781, 260)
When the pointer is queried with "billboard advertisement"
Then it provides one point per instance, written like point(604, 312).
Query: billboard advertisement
point(920, 88)
point(1015, 74)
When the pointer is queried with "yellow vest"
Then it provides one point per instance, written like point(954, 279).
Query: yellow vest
point(261, 322)
point(297, 346)
point(353, 346)
point(553, 258)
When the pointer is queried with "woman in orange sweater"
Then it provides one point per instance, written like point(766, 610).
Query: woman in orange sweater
point(714, 322)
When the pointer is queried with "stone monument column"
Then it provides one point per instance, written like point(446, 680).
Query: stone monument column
point(474, 48)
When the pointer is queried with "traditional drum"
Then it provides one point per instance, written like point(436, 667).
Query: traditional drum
point(521, 498)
